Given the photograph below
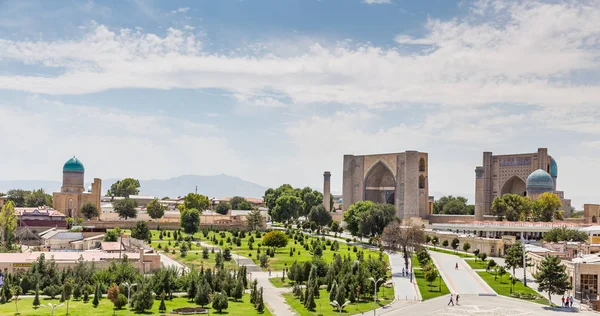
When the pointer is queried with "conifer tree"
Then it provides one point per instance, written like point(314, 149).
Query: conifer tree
point(96, 300)
point(310, 300)
point(551, 277)
point(333, 291)
point(36, 299)
point(260, 305)
point(192, 289)
point(162, 308)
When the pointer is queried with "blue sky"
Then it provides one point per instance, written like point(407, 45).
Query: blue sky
point(278, 91)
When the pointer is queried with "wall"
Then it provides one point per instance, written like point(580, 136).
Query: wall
point(492, 247)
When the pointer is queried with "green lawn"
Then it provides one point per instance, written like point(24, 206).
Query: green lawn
point(437, 288)
point(451, 252)
point(503, 288)
point(385, 296)
point(105, 307)
point(477, 264)
point(277, 282)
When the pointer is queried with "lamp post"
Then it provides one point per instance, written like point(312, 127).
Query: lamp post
point(375, 294)
point(53, 307)
point(128, 293)
point(338, 306)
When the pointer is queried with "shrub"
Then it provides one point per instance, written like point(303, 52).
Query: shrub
point(275, 239)
point(264, 261)
point(120, 301)
point(52, 291)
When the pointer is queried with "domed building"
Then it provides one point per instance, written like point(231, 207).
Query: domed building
point(72, 195)
point(528, 174)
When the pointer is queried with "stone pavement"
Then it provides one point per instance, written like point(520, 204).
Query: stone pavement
point(461, 281)
point(475, 305)
point(167, 262)
point(403, 288)
point(273, 296)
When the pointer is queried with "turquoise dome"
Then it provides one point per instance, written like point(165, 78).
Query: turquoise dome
point(73, 165)
point(540, 180)
point(553, 168)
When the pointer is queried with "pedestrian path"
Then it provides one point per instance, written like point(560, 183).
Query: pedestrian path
point(273, 296)
point(462, 280)
point(404, 289)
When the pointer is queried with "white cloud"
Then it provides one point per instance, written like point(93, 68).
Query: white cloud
point(509, 59)
point(377, 1)
point(180, 10)
point(111, 142)
point(406, 39)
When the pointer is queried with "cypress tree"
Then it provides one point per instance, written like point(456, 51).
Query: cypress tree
point(333, 291)
point(162, 308)
point(36, 299)
point(260, 306)
point(96, 300)
point(310, 301)
point(192, 289)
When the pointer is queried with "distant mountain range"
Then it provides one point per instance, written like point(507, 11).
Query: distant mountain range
point(211, 186)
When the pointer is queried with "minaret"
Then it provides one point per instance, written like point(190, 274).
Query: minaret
point(479, 202)
point(327, 190)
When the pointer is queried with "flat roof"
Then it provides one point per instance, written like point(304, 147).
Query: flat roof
point(64, 256)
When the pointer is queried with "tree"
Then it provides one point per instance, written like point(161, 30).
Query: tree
point(183, 250)
point(403, 237)
point(500, 270)
point(220, 302)
point(333, 291)
point(276, 238)
point(113, 293)
point(264, 261)
point(223, 208)
point(89, 210)
point(562, 233)
point(483, 256)
point(196, 201)
point(162, 308)
point(142, 299)
point(38, 198)
point(17, 196)
point(120, 302)
point(126, 208)
point(8, 224)
point(366, 218)
point(67, 291)
point(445, 243)
point(36, 299)
point(513, 258)
point(430, 273)
point(334, 226)
point(551, 277)
point(434, 241)
point(310, 299)
point(545, 207)
point(124, 188)
point(141, 231)
point(260, 304)
point(319, 215)
point(286, 208)
point(454, 243)
point(476, 253)
point(190, 220)
point(238, 290)
point(452, 206)
point(227, 254)
point(203, 294)
point(96, 300)
point(466, 247)
point(52, 290)
point(310, 198)
point(512, 206)
point(254, 220)
point(111, 235)
point(239, 203)
point(16, 291)
point(155, 209)
point(271, 195)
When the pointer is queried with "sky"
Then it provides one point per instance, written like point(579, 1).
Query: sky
point(277, 91)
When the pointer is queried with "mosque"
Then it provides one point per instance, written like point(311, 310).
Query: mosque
point(72, 195)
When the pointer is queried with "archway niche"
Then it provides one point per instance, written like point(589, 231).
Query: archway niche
point(422, 164)
point(422, 182)
point(514, 185)
point(380, 185)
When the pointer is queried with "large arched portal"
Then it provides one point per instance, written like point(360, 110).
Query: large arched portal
point(380, 185)
point(514, 185)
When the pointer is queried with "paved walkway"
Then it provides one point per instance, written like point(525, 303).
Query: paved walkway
point(475, 305)
point(403, 288)
point(461, 281)
point(167, 262)
point(272, 295)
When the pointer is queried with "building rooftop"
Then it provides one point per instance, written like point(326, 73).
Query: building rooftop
point(111, 246)
point(142, 197)
point(65, 256)
point(540, 180)
point(73, 165)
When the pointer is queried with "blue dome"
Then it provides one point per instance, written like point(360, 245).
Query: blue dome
point(540, 180)
point(73, 165)
point(553, 168)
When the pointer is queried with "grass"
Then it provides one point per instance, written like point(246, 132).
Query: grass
point(277, 282)
point(502, 287)
point(438, 287)
point(477, 264)
point(451, 252)
point(78, 308)
point(385, 296)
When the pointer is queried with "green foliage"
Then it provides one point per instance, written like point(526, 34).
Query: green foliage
point(254, 220)
point(142, 299)
point(89, 210)
point(223, 207)
point(124, 188)
point(366, 218)
point(126, 208)
point(275, 239)
point(238, 290)
point(227, 254)
point(120, 302)
point(454, 243)
point(512, 206)
point(445, 243)
point(564, 234)
point(141, 231)
point(551, 277)
point(260, 304)
point(264, 261)
point(36, 299)
point(196, 201)
point(111, 235)
point(162, 308)
point(466, 246)
point(202, 297)
point(52, 290)
point(8, 224)
point(96, 300)
point(546, 207)
point(190, 220)
point(220, 302)
point(453, 206)
point(287, 207)
point(155, 209)
point(239, 203)
point(319, 215)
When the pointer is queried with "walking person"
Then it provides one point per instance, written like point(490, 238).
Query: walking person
point(571, 300)
point(402, 271)
point(457, 297)
point(563, 301)
point(451, 299)
point(456, 266)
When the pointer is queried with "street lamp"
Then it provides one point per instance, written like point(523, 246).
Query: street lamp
point(128, 293)
point(338, 306)
point(375, 294)
point(52, 306)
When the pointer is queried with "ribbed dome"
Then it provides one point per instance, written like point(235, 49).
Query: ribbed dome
point(553, 168)
point(73, 165)
point(540, 180)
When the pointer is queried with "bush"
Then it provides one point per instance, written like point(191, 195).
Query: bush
point(264, 261)
point(275, 239)
point(120, 301)
point(52, 291)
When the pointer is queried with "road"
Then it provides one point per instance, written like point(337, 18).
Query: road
point(461, 281)
point(168, 262)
